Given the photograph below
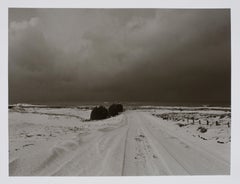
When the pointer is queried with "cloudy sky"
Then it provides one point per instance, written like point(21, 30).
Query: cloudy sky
point(149, 55)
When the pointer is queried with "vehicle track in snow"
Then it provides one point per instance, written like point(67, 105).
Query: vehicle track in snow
point(137, 145)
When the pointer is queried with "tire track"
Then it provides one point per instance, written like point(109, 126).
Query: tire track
point(125, 148)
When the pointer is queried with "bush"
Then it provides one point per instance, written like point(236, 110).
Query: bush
point(181, 124)
point(99, 113)
point(114, 109)
point(202, 129)
point(119, 107)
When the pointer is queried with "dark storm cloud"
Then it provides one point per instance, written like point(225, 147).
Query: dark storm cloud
point(68, 55)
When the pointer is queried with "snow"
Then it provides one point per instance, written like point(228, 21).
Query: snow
point(52, 141)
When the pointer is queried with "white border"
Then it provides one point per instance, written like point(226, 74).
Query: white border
point(120, 4)
point(235, 44)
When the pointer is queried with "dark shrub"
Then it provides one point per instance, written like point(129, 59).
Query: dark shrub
point(119, 107)
point(222, 116)
point(181, 124)
point(114, 109)
point(99, 113)
point(217, 123)
point(202, 129)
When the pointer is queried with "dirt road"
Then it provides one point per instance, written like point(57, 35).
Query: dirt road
point(136, 145)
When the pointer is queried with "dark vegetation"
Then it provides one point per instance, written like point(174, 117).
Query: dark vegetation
point(99, 113)
point(181, 124)
point(115, 109)
point(196, 118)
point(102, 112)
point(202, 129)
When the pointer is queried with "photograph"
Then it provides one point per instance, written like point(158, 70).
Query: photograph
point(119, 91)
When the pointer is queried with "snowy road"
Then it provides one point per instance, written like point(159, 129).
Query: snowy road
point(152, 150)
point(138, 144)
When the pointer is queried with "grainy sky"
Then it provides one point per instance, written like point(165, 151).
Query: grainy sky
point(149, 55)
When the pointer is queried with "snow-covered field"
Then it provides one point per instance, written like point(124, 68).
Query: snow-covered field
point(143, 140)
